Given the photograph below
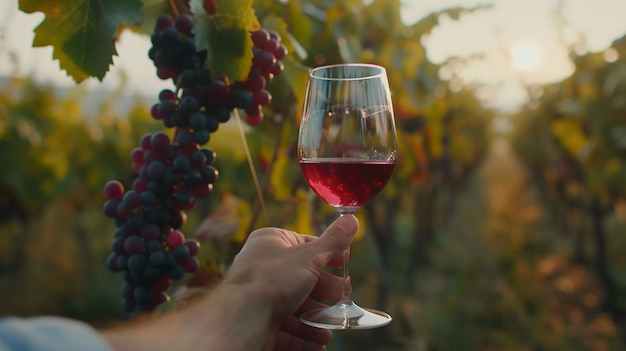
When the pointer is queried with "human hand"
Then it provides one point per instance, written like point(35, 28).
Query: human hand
point(286, 270)
point(256, 307)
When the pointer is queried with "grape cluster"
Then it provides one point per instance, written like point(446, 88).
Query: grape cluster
point(173, 173)
point(197, 110)
point(213, 97)
point(266, 64)
point(173, 47)
point(148, 245)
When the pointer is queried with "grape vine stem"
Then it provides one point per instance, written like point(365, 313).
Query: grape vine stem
point(246, 148)
point(178, 7)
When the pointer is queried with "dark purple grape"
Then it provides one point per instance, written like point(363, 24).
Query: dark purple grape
point(261, 97)
point(189, 105)
point(253, 119)
point(167, 108)
point(148, 198)
point(276, 68)
point(167, 95)
point(156, 170)
point(151, 231)
point(136, 156)
point(281, 52)
point(111, 263)
point(153, 245)
point(209, 154)
point(177, 272)
point(260, 37)
point(159, 142)
point(133, 244)
point(146, 141)
point(187, 78)
point(166, 72)
point(197, 120)
point(272, 46)
point(192, 178)
point(264, 59)
point(184, 196)
point(185, 138)
point(175, 238)
point(242, 98)
point(212, 124)
point(197, 159)
point(190, 264)
point(181, 164)
point(137, 262)
point(222, 114)
point(154, 112)
point(114, 190)
point(171, 36)
point(177, 220)
point(193, 246)
point(209, 174)
point(121, 261)
point(184, 24)
point(163, 21)
point(256, 82)
point(143, 294)
point(117, 246)
point(181, 252)
point(151, 273)
point(201, 136)
point(110, 208)
point(157, 258)
point(274, 35)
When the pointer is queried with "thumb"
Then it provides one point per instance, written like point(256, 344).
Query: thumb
point(337, 237)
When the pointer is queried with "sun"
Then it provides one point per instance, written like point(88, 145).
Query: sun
point(525, 56)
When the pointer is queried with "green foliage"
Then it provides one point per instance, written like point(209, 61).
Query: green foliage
point(580, 121)
point(83, 32)
point(225, 35)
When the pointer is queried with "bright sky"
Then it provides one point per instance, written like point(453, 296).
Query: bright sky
point(520, 42)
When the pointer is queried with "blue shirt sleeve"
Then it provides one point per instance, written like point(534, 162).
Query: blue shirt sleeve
point(49, 334)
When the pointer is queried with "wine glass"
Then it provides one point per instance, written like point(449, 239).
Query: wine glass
point(347, 150)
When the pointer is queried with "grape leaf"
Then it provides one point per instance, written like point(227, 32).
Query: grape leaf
point(225, 35)
point(82, 32)
point(297, 75)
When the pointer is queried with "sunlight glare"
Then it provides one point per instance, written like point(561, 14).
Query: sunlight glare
point(525, 56)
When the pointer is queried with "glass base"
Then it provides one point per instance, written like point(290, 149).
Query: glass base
point(344, 316)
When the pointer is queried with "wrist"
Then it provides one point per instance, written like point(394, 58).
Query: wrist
point(236, 316)
point(232, 317)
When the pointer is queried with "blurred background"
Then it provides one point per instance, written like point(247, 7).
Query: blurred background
point(503, 226)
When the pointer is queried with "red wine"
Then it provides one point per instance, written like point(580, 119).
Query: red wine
point(346, 182)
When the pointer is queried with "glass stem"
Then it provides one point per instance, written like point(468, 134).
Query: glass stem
point(346, 297)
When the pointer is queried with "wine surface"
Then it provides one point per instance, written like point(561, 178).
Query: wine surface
point(346, 182)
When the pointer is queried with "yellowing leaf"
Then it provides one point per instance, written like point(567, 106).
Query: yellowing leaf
point(227, 143)
point(82, 32)
point(297, 76)
point(303, 223)
point(279, 178)
point(230, 219)
point(570, 134)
